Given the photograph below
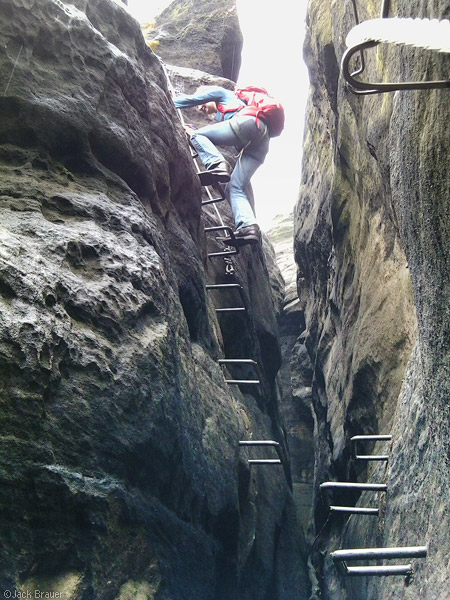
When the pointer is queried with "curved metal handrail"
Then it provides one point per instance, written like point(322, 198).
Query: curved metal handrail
point(361, 87)
point(384, 14)
point(364, 88)
point(361, 54)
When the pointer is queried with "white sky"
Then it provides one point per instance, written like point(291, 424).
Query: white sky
point(271, 58)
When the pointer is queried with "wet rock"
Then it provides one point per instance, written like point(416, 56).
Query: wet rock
point(294, 378)
point(200, 34)
point(375, 180)
point(120, 466)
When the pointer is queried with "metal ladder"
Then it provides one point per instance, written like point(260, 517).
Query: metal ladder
point(263, 461)
point(341, 557)
point(211, 190)
point(374, 487)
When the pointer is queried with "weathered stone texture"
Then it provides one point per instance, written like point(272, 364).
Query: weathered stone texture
point(199, 34)
point(371, 243)
point(295, 392)
point(121, 474)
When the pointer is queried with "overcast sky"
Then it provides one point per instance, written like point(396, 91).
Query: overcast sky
point(272, 58)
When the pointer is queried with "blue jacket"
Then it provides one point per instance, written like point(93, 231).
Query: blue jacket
point(227, 100)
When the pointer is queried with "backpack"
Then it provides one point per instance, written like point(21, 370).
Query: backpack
point(261, 104)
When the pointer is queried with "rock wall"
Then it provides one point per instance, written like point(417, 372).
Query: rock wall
point(371, 247)
point(121, 474)
point(199, 34)
point(295, 391)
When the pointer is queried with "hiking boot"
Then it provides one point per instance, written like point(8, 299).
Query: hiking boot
point(221, 167)
point(218, 173)
point(243, 236)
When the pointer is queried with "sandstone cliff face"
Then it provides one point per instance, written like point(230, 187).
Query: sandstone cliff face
point(121, 474)
point(295, 390)
point(199, 34)
point(371, 245)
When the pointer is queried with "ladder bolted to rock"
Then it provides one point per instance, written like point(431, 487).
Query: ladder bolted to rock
point(241, 361)
point(227, 286)
point(341, 557)
point(372, 487)
point(366, 438)
point(262, 461)
point(211, 186)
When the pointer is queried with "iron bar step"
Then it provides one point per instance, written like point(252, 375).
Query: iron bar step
point(264, 461)
point(379, 553)
point(369, 438)
point(241, 381)
point(236, 361)
point(340, 558)
point(220, 286)
point(258, 443)
point(384, 457)
point(226, 228)
point(361, 438)
point(234, 249)
point(381, 571)
point(355, 510)
point(217, 188)
point(212, 201)
point(227, 286)
point(223, 253)
point(374, 487)
point(241, 361)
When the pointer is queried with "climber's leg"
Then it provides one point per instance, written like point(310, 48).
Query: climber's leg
point(240, 178)
point(205, 139)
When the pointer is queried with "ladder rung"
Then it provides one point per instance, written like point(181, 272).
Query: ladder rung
point(258, 443)
point(369, 438)
point(372, 457)
point(264, 461)
point(219, 286)
point(375, 487)
point(355, 510)
point(239, 381)
point(220, 228)
point(226, 253)
point(381, 571)
point(212, 201)
point(232, 309)
point(379, 553)
point(357, 438)
point(237, 361)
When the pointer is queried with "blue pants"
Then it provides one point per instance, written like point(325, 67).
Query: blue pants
point(251, 138)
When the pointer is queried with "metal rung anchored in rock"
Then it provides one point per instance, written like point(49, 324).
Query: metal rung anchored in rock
point(341, 557)
point(242, 361)
point(372, 487)
point(227, 287)
point(226, 229)
point(367, 438)
point(355, 510)
point(262, 461)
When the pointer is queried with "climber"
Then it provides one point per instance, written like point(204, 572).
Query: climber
point(249, 134)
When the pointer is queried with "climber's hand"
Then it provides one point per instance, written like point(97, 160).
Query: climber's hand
point(189, 130)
